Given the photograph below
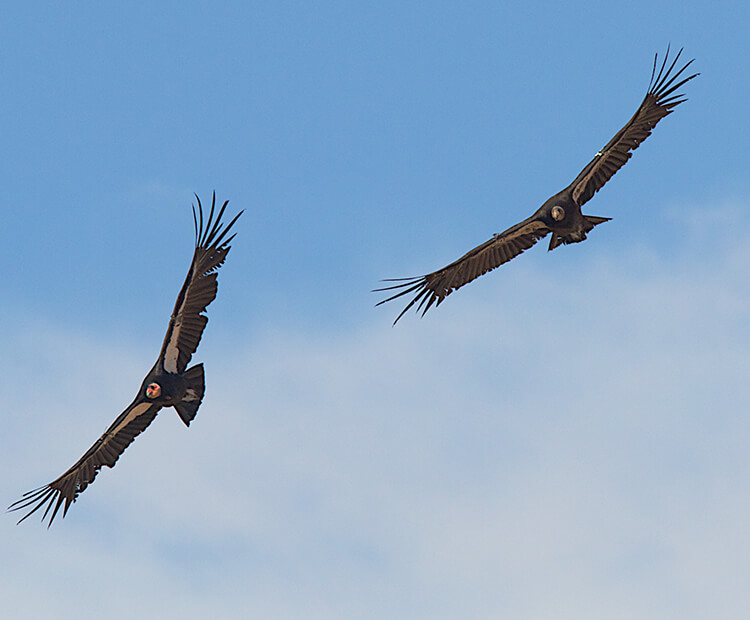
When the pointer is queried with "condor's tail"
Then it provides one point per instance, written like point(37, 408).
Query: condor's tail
point(579, 235)
point(194, 388)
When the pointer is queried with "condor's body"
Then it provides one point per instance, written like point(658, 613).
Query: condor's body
point(168, 384)
point(561, 214)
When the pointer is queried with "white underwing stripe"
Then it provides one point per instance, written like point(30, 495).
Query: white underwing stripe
point(136, 411)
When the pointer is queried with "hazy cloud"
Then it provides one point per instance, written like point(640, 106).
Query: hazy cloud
point(566, 443)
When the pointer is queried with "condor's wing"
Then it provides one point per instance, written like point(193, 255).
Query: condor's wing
point(188, 321)
point(105, 451)
point(661, 98)
point(436, 286)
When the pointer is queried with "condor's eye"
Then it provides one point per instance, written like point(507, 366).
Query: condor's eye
point(558, 213)
point(153, 390)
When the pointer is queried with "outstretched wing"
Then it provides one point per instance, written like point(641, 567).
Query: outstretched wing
point(435, 287)
point(659, 101)
point(188, 321)
point(105, 451)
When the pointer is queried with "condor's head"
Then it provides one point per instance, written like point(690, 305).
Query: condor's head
point(153, 391)
point(156, 391)
point(557, 213)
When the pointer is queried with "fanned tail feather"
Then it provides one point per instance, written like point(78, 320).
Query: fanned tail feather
point(195, 389)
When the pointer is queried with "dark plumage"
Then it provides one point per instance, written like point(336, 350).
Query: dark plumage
point(561, 214)
point(168, 384)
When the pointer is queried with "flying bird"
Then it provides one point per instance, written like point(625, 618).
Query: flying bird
point(561, 214)
point(168, 384)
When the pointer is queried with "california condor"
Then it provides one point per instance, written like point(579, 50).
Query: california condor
point(168, 384)
point(561, 214)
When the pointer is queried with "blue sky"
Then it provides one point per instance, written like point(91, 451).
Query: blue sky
point(565, 437)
